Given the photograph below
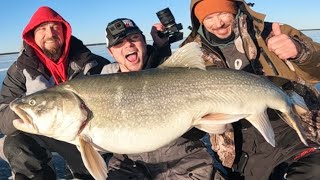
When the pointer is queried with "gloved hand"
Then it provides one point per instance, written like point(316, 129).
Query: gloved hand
point(159, 42)
point(37, 84)
point(311, 125)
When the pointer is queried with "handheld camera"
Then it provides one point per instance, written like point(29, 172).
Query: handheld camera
point(172, 29)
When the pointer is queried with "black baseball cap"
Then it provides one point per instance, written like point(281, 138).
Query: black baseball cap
point(119, 29)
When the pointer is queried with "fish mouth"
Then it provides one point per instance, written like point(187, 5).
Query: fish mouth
point(14, 105)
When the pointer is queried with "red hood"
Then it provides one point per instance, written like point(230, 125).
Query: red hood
point(45, 14)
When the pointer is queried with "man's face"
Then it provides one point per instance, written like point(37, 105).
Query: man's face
point(49, 37)
point(219, 24)
point(130, 52)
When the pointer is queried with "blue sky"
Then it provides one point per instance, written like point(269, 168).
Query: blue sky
point(89, 18)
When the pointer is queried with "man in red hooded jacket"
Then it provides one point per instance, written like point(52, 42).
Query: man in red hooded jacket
point(51, 55)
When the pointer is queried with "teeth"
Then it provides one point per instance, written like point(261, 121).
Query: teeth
point(129, 53)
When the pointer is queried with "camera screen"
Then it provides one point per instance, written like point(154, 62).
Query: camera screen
point(116, 28)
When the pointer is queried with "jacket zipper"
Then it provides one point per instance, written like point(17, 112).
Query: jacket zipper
point(270, 64)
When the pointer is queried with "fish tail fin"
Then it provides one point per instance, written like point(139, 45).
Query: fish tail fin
point(92, 160)
point(189, 55)
point(299, 105)
point(298, 108)
point(294, 121)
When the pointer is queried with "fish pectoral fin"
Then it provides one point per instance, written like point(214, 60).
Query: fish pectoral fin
point(217, 123)
point(213, 128)
point(92, 160)
point(261, 122)
point(220, 118)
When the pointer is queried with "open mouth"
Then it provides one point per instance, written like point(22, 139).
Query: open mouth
point(21, 113)
point(132, 56)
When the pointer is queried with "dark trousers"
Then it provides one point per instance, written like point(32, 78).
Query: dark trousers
point(181, 159)
point(30, 157)
point(306, 167)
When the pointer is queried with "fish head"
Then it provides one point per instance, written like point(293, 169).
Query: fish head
point(59, 114)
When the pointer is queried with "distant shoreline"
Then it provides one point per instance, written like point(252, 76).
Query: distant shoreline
point(97, 44)
point(93, 44)
point(9, 53)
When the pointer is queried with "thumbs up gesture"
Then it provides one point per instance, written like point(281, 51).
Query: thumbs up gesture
point(281, 44)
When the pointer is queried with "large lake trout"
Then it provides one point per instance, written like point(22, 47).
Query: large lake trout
point(135, 112)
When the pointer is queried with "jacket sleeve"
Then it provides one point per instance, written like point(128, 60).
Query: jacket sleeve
point(157, 55)
point(13, 87)
point(90, 62)
point(100, 63)
point(308, 67)
point(164, 52)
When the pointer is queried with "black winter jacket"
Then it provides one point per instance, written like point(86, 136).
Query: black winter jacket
point(81, 61)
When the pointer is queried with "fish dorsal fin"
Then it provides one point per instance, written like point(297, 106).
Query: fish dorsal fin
point(189, 55)
point(92, 159)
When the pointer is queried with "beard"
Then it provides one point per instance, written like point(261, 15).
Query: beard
point(54, 53)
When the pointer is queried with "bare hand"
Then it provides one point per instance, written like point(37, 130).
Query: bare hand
point(281, 44)
point(159, 42)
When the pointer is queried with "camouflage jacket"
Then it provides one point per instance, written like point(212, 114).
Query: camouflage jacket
point(298, 74)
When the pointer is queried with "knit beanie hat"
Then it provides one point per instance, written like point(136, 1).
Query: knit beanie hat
point(207, 7)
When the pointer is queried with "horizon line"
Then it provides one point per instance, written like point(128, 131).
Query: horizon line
point(97, 44)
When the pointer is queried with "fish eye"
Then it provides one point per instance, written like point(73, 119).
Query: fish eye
point(32, 102)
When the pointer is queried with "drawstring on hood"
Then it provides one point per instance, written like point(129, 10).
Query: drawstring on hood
point(46, 14)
